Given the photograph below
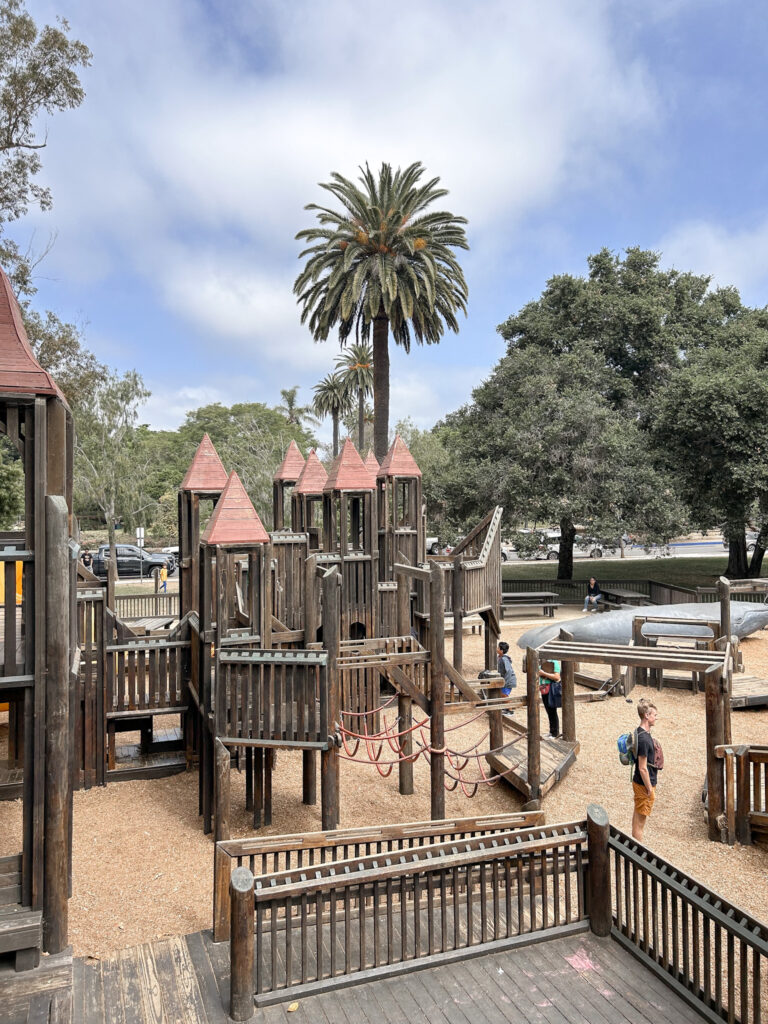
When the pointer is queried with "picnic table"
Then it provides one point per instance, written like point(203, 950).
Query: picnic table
point(547, 600)
point(619, 596)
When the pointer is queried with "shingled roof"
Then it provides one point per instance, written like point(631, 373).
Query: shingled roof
point(234, 520)
point(349, 473)
point(20, 372)
point(313, 476)
point(206, 471)
point(292, 464)
point(398, 461)
point(371, 463)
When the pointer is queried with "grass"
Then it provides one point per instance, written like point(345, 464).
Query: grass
point(685, 572)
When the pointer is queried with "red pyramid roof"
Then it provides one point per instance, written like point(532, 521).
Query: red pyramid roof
point(349, 473)
point(371, 463)
point(313, 476)
point(292, 465)
point(398, 461)
point(235, 520)
point(20, 372)
point(206, 472)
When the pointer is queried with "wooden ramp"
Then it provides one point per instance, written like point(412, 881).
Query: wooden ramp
point(511, 762)
point(748, 692)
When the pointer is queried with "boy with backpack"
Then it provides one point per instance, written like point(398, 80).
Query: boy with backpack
point(646, 768)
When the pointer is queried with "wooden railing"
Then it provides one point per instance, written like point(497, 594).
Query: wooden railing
point(16, 608)
point(144, 675)
point(746, 792)
point(272, 698)
point(142, 606)
point(363, 666)
point(89, 708)
point(711, 953)
point(270, 855)
point(379, 915)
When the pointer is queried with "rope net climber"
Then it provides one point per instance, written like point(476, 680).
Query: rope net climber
point(416, 736)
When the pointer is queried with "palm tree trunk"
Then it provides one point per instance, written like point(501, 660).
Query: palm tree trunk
point(360, 419)
point(380, 387)
point(335, 432)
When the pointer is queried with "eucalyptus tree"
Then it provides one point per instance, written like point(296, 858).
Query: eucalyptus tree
point(332, 398)
point(382, 260)
point(356, 366)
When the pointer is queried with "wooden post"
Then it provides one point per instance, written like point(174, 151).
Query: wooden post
point(534, 729)
point(726, 690)
point(714, 730)
point(457, 597)
point(404, 702)
point(221, 910)
point(437, 692)
point(743, 792)
point(599, 873)
point(329, 758)
point(57, 770)
point(309, 777)
point(241, 946)
point(724, 597)
point(569, 700)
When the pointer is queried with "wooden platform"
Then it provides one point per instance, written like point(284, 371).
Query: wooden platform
point(11, 783)
point(155, 763)
point(39, 996)
point(557, 756)
point(748, 692)
point(576, 979)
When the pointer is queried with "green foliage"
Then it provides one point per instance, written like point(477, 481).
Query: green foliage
point(356, 367)
point(438, 472)
point(38, 74)
point(640, 319)
point(110, 464)
point(543, 439)
point(382, 260)
point(333, 398)
point(11, 486)
point(294, 413)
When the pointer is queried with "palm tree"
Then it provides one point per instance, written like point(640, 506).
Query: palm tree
point(295, 414)
point(332, 398)
point(382, 260)
point(356, 366)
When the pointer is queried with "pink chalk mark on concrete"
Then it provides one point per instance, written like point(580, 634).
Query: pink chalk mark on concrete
point(580, 961)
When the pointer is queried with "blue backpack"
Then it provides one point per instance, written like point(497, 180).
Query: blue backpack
point(627, 744)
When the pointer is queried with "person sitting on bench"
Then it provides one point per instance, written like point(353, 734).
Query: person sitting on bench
point(594, 595)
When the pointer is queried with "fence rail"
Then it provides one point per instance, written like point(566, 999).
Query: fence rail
point(573, 591)
point(502, 891)
point(141, 606)
point(711, 953)
point(144, 676)
point(746, 792)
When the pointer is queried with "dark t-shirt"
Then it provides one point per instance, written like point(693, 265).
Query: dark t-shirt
point(645, 748)
point(592, 591)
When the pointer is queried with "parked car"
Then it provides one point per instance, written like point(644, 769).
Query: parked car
point(583, 547)
point(433, 545)
point(751, 537)
point(131, 561)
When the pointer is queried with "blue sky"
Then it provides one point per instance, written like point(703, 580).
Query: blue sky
point(559, 127)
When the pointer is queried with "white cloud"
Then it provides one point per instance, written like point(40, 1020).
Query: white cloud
point(736, 256)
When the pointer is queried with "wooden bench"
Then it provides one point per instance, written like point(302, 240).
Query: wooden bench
point(544, 599)
point(617, 597)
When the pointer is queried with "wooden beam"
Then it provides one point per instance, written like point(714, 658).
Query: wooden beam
point(437, 692)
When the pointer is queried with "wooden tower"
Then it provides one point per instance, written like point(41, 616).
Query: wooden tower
point(401, 531)
point(307, 501)
point(349, 532)
point(285, 479)
point(37, 617)
point(205, 478)
point(231, 602)
point(371, 463)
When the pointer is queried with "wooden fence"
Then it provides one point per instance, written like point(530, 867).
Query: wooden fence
point(141, 606)
point(145, 675)
point(381, 915)
point(711, 953)
point(264, 855)
point(746, 792)
point(574, 591)
point(272, 698)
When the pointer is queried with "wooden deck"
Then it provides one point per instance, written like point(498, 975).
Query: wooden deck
point(576, 979)
point(748, 692)
point(40, 996)
point(557, 756)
